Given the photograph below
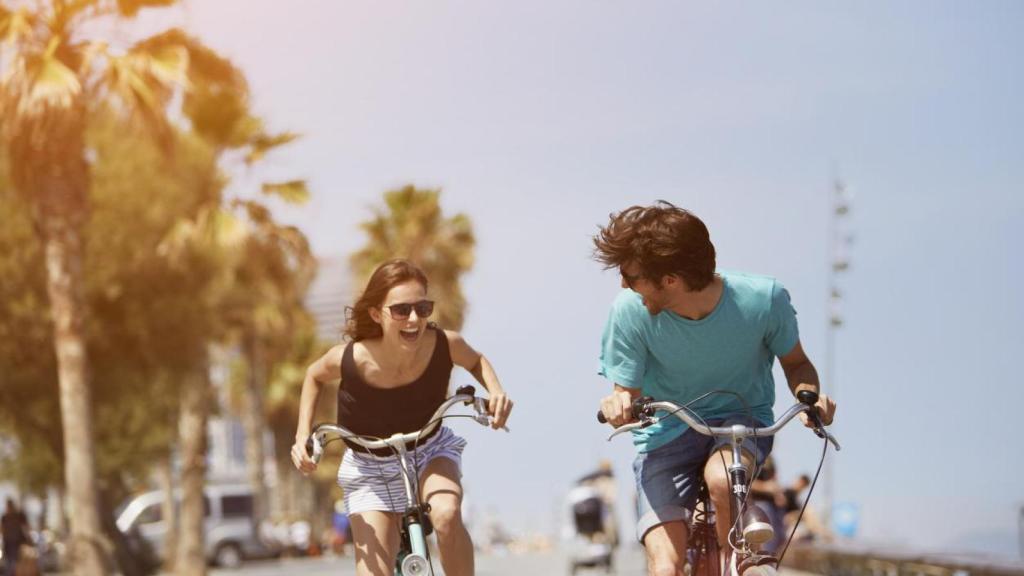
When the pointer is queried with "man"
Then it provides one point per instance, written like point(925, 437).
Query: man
point(680, 332)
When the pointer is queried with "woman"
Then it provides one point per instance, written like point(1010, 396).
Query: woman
point(394, 374)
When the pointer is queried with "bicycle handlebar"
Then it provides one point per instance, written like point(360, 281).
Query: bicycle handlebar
point(644, 409)
point(465, 394)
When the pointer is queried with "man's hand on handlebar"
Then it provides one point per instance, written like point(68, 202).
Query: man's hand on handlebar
point(617, 407)
point(825, 407)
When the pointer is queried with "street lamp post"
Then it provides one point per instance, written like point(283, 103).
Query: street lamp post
point(840, 240)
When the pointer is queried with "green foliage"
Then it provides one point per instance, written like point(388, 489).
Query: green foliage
point(144, 330)
point(170, 266)
point(29, 411)
point(412, 226)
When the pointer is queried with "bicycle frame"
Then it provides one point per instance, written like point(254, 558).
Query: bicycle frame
point(645, 409)
point(413, 535)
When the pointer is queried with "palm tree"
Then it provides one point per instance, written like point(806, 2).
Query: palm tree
point(54, 77)
point(412, 226)
point(265, 309)
point(256, 265)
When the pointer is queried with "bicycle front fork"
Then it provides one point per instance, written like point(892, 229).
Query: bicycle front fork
point(412, 556)
point(738, 481)
point(752, 527)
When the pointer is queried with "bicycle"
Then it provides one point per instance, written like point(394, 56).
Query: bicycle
point(413, 556)
point(749, 526)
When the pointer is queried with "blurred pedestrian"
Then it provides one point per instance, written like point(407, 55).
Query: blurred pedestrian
point(769, 496)
point(603, 480)
point(15, 531)
point(341, 528)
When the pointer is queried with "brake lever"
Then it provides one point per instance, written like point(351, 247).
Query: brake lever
point(315, 447)
point(482, 416)
point(643, 422)
point(820, 431)
point(831, 438)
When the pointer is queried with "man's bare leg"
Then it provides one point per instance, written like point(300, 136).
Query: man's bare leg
point(716, 474)
point(665, 546)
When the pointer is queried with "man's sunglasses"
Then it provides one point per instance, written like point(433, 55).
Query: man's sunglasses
point(423, 308)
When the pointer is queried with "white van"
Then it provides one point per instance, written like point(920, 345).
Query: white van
point(228, 522)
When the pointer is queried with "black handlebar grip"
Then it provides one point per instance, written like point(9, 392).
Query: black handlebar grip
point(601, 418)
point(467, 389)
point(309, 446)
point(808, 397)
point(640, 407)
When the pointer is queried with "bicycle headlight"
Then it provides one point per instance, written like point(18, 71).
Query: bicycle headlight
point(414, 565)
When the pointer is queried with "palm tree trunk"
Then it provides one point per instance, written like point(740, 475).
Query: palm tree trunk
point(90, 553)
point(169, 513)
point(285, 471)
point(195, 402)
point(254, 423)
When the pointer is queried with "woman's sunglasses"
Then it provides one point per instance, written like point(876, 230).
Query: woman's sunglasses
point(423, 308)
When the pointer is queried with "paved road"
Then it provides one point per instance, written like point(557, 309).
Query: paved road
point(553, 563)
point(629, 562)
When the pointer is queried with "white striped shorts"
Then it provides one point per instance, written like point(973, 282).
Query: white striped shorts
point(372, 482)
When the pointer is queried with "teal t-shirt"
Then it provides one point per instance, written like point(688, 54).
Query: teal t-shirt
point(669, 357)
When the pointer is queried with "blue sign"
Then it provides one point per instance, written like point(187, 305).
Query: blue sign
point(845, 518)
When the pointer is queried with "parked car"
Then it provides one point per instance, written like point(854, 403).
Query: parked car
point(230, 533)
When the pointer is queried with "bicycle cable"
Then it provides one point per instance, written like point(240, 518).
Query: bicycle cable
point(721, 453)
point(807, 499)
point(416, 470)
point(416, 474)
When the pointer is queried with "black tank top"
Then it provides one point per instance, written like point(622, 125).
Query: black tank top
point(382, 412)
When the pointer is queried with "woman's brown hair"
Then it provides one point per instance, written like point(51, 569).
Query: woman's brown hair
point(359, 324)
point(662, 240)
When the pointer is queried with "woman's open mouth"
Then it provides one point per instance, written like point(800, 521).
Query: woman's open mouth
point(409, 335)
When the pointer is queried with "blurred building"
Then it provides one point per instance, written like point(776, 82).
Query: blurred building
point(328, 297)
point(326, 300)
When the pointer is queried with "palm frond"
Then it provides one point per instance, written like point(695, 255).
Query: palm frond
point(169, 64)
point(39, 82)
point(257, 213)
point(411, 225)
point(205, 65)
point(129, 80)
point(129, 8)
point(216, 101)
point(89, 53)
point(15, 26)
point(263, 143)
point(292, 191)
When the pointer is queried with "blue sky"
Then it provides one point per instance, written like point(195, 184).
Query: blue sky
point(539, 118)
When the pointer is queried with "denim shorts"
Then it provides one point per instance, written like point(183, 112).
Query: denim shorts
point(668, 477)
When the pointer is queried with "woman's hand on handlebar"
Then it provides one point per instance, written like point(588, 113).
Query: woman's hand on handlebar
point(301, 459)
point(617, 407)
point(499, 405)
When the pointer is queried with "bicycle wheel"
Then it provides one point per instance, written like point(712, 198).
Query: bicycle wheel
point(703, 552)
point(703, 555)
